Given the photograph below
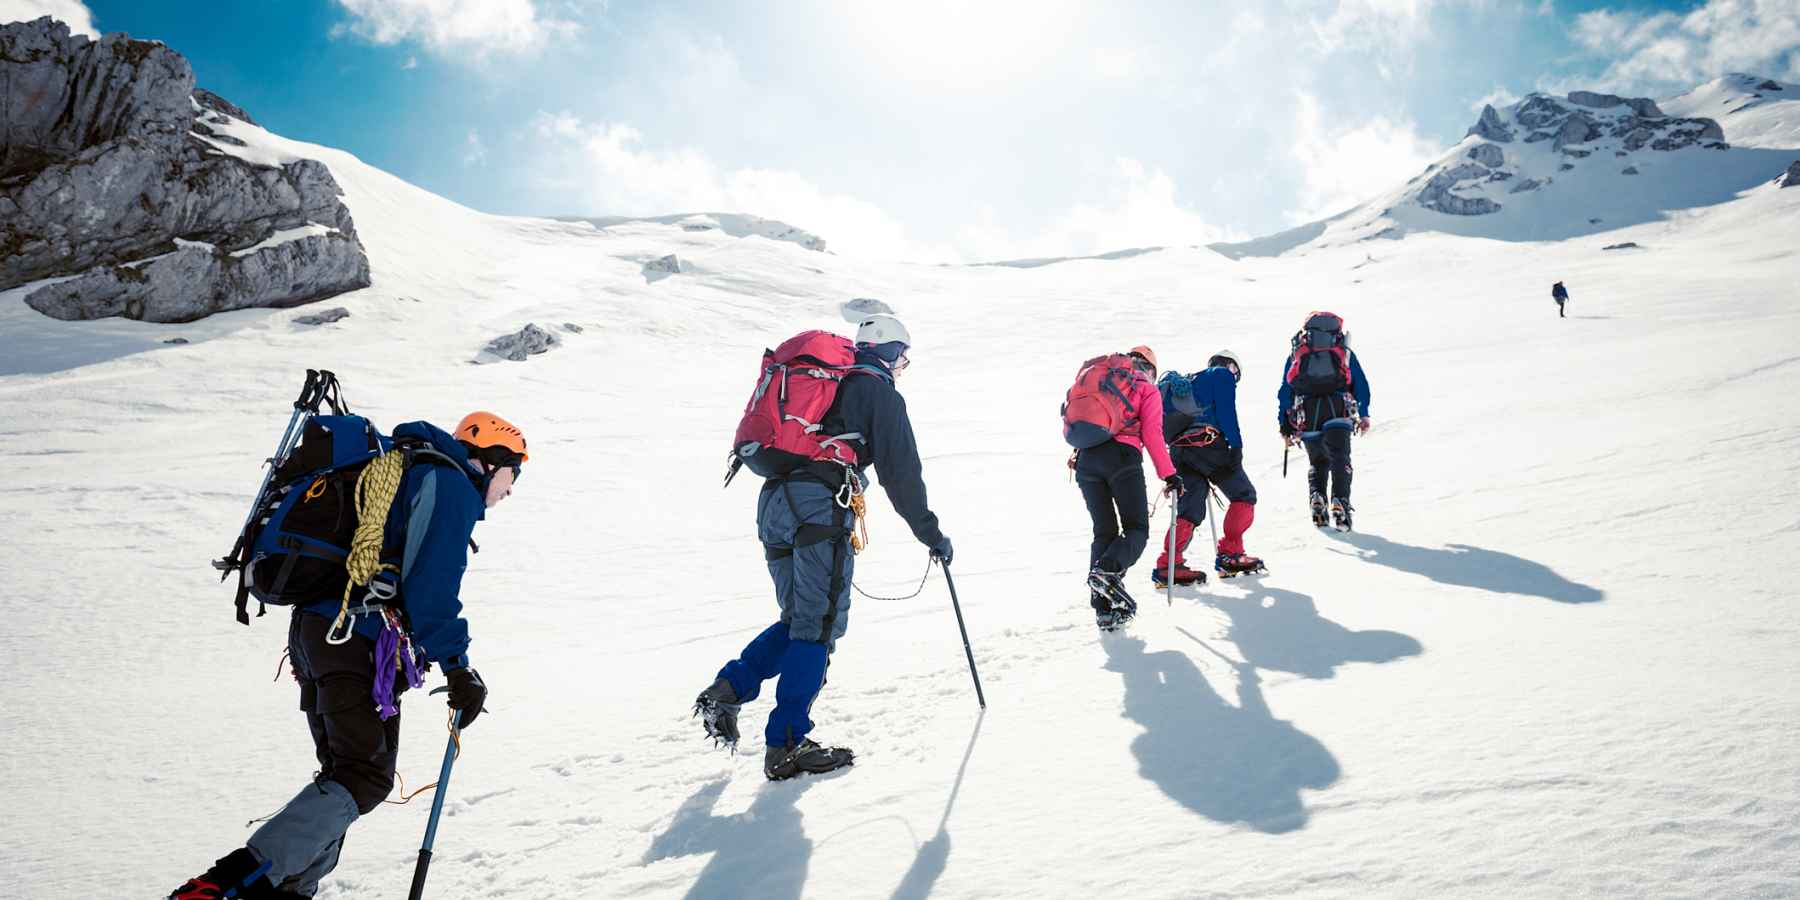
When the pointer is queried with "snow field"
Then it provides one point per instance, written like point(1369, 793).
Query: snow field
point(1556, 659)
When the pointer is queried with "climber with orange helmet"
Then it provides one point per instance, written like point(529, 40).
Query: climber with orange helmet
point(1112, 416)
point(352, 706)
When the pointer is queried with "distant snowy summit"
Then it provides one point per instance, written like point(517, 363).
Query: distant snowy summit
point(123, 191)
point(738, 225)
point(1551, 168)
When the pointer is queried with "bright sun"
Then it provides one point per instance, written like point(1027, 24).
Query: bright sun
point(954, 44)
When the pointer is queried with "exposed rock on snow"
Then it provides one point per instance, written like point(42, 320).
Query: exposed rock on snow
point(663, 267)
point(323, 317)
point(859, 309)
point(1436, 194)
point(1490, 127)
point(211, 101)
point(1576, 129)
point(110, 160)
point(1629, 170)
point(1791, 178)
point(572, 328)
point(1489, 155)
point(1628, 245)
point(1529, 184)
point(1643, 106)
point(528, 341)
point(193, 282)
point(1769, 85)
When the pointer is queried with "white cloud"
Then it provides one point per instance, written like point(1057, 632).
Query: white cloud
point(1666, 49)
point(474, 151)
point(73, 13)
point(1340, 168)
point(617, 175)
point(1374, 23)
point(1112, 62)
point(1137, 206)
point(412, 62)
point(1498, 98)
point(475, 28)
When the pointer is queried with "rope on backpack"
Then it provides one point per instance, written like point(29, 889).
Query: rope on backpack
point(376, 487)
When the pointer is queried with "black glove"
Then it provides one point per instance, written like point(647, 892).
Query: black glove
point(1287, 429)
point(1173, 485)
point(942, 551)
point(467, 693)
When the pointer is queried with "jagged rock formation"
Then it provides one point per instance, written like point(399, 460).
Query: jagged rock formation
point(115, 171)
point(1577, 127)
point(1791, 178)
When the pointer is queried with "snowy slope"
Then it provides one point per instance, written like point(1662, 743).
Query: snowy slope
point(1557, 660)
point(1555, 168)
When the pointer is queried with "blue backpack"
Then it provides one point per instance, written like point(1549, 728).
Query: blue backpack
point(299, 536)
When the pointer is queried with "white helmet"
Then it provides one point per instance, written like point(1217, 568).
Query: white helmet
point(1230, 357)
point(881, 329)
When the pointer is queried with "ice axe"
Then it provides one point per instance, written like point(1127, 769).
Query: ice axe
point(957, 604)
point(437, 805)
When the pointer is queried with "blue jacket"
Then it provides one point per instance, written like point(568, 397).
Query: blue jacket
point(1284, 398)
point(869, 405)
point(1207, 397)
point(431, 520)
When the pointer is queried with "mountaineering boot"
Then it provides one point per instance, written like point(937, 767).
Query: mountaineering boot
point(717, 707)
point(1340, 513)
point(1231, 565)
point(806, 757)
point(237, 875)
point(1120, 606)
point(1317, 501)
point(1183, 576)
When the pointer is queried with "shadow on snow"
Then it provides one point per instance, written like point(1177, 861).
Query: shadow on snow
point(1282, 631)
point(1476, 567)
point(934, 855)
point(760, 852)
point(1232, 764)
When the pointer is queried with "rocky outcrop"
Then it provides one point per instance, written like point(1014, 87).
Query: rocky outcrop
point(1791, 178)
point(1437, 193)
point(1642, 106)
point(323, 317)
point(1489, 155)
point(1576, 129)
point(528, 341)
point(115, 171)
point(1769, 85)
point(1489, 127)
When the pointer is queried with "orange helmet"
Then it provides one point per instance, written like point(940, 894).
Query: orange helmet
point(484, 429)
point(1147, 354)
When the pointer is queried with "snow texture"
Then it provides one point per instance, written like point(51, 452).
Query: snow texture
point(1556, 661)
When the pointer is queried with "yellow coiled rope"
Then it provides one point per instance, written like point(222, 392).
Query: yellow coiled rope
point(374, 496)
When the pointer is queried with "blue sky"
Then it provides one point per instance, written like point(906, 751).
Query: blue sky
point(929, 129)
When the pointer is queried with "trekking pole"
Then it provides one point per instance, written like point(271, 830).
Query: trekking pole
point(1170, 587)
point(437, 809)
point(1212, 521)
point(1286, 446)
point(303, 407)
point(957, 605)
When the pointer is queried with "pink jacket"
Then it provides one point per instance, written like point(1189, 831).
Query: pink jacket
point(1147, 400)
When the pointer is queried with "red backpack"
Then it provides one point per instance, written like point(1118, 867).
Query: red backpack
point(1099, 405)
point(780, 430)
point(1320, 363)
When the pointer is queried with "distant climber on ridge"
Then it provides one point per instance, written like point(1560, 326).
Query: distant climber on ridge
point(1561, 295)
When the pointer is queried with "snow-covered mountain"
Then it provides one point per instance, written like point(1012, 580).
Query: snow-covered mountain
point(1556, 660)
point(1553, 168)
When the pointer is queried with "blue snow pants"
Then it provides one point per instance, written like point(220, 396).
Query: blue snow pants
point(806, 540)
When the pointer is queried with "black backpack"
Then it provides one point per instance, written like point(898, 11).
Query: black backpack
point(1320, 363)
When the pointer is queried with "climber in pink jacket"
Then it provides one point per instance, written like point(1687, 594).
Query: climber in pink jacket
point(1111, 476)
